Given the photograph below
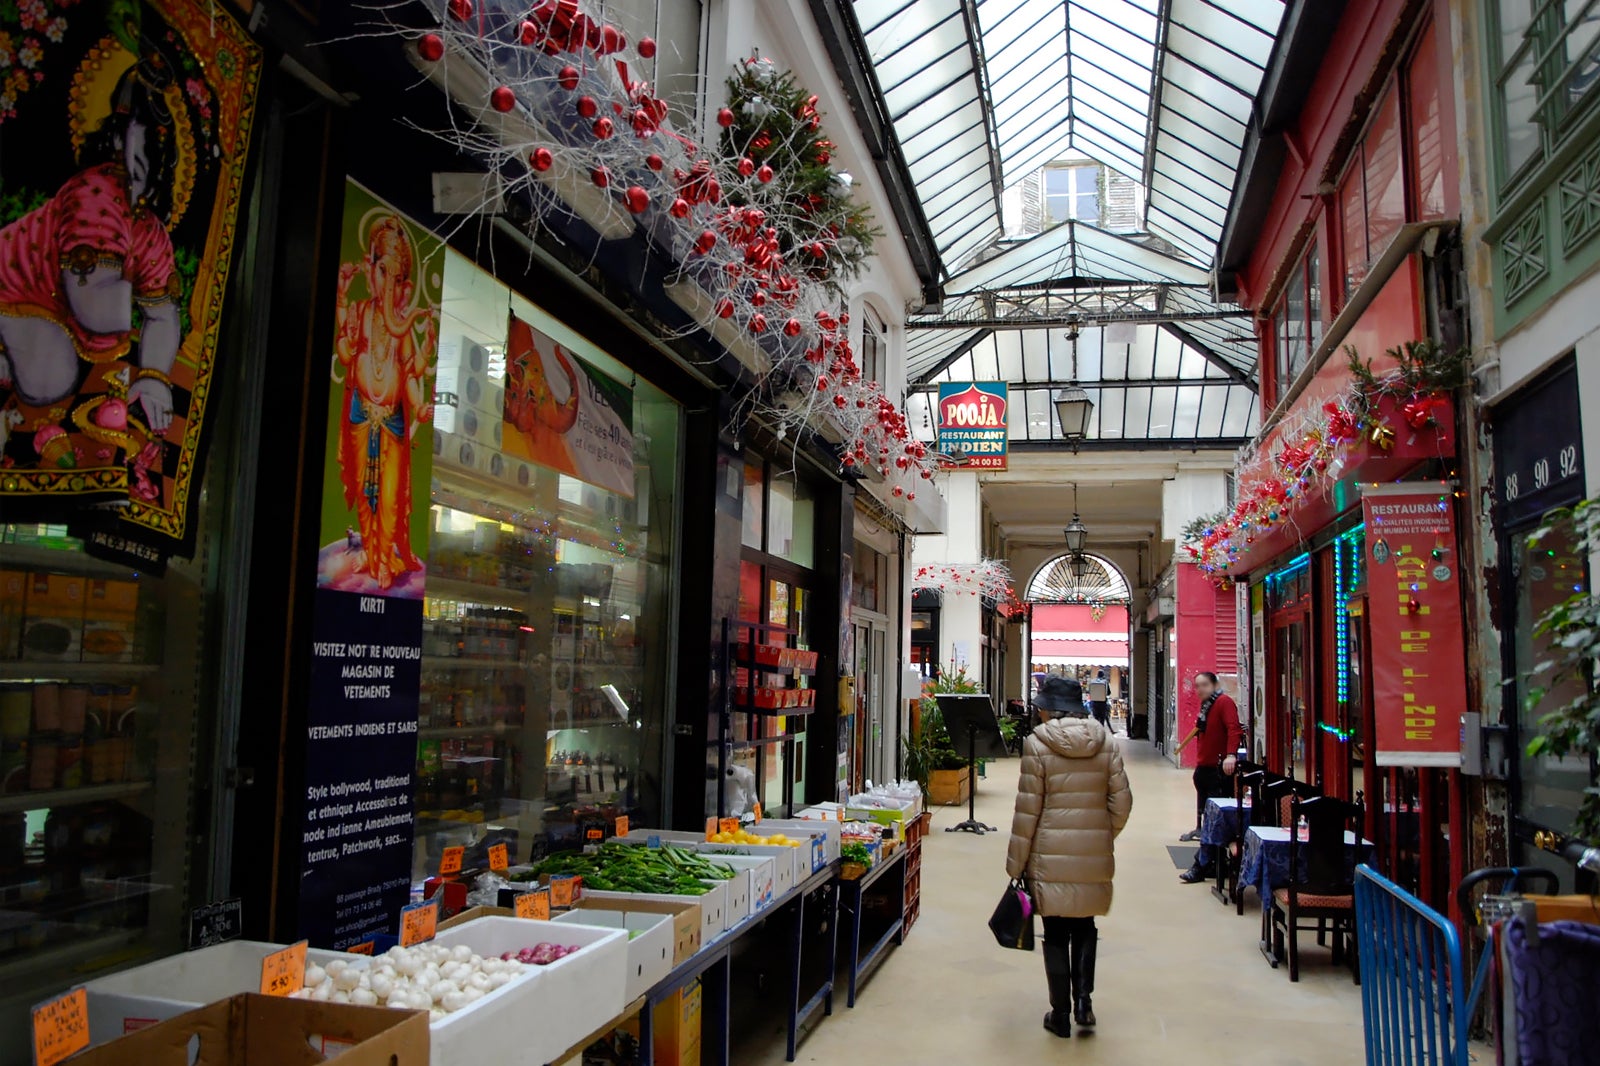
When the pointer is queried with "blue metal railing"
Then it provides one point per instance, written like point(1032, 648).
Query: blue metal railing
point(1412, 978)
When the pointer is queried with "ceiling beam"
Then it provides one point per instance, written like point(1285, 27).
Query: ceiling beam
point(1072, 318)
point(1132, 383)
point(1206, 352)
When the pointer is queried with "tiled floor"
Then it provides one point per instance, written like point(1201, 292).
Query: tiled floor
point(1179, 980)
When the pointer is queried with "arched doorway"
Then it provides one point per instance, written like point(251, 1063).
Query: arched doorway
point(1078, 626)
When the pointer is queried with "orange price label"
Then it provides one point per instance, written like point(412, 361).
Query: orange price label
point(419, 922)
point(565, 889)
point(535, 904)
point(60, 1027)
point(283, 973)
point(595, 834)
point(622, 826)
point(728, 825)
point(711, 828)
point(499, 858)
point(366, 947)
point(756, 811)
point(450, 861)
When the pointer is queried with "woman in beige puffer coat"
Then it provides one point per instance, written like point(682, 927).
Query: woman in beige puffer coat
point(1072, 801)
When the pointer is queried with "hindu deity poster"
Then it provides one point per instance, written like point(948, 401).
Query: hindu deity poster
point(380, 406)
point(562, 413)
point(124, 128)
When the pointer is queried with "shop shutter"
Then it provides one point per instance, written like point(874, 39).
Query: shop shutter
point(1227, 633)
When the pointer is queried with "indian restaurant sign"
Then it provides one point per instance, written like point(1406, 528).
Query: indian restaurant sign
point(972, 424)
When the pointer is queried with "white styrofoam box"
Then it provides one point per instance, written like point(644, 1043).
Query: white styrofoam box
point(762, 878)
point(739, 904)
point(649, 952)
point(713, 905)
point(799, 858)
point(666, 836)
point(795, 827)
point(533, 1022)
point(781, 856)
point(141, 996)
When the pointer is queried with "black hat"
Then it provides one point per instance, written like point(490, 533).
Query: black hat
point(1060, 695)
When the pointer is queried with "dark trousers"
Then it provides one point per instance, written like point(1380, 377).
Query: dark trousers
point(1062, 930)
point(1209, 781)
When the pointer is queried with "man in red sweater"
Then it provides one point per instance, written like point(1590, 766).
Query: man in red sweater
point(1220, 735)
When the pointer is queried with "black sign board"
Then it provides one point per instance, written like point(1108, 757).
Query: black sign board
point(216, 922)
point(1538, 447)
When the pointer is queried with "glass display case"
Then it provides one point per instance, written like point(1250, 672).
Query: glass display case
point(546, 651)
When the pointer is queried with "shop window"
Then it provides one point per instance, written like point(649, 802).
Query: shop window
point(1546, 62)
point(1297, 324)
point(1424, 127)
point(548, 596)
point(869, 578)
point(1382, 162)
point(791, 520)
point(755, 504)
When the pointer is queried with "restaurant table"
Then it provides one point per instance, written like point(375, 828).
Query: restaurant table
point(1265, 864)
point(1219, 827)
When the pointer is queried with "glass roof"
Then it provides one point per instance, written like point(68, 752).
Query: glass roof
point(1159, 90)
point(1147, 382)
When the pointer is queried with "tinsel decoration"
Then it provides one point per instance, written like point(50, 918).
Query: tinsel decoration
point(986, 577)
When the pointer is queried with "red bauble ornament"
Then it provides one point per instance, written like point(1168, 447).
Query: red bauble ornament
point(724, 308)
point(839, 401)
point(643, 125)
point(636, 199)
point(603, 128)
point(654, 162)
point(747, 167)
point(541, 159)
point(758, 298)
point(587, 107)
point(431, 47)
point(706, 242)
point(647, 47)
point(600, 176)
point(679, 208)
point(822, 383)
point(817, 251)
point(502, 99)
point(791, 328)
point(758, 323)
point(461, 9)
point(567, 78)
point(764, 174)
point(725, 118)
point(611, 41)
point(911, 495)
point(531, 33)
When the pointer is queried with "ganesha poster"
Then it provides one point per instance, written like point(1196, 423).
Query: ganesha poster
point(563, 414)
point(124, 128)
point(375, 492)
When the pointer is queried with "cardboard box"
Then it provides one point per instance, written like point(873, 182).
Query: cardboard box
point(110, 616)
point(255, 1030)
point(677, 1027)
point(650, 939)
point(713, 905)
point(686, 924)
point(52, 622)
point(13, 600)
point(140, 997)
point(569, 999)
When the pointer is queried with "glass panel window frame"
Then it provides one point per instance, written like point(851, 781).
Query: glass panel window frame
point(1071, 193)
point(1544, 66)
point(1297, 322)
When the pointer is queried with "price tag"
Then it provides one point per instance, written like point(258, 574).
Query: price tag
point(283, 973)
point(419, 922)
point(756, 812)
point(535, 904)
point(595, 834)
point(366, 947)
point(60, 1028)
point(565, 889)
point(711, 828)
point(652, 841)
point(622, 826)
point(450, 861)
point(499, 859)
point(728, 825)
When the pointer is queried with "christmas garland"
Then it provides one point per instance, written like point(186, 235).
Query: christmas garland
point(1312, 452)
point(986, 577)
point(762, 225)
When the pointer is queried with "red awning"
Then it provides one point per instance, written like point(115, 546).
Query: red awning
point(1080, 653)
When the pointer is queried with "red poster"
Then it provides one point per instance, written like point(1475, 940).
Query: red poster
point(1419, 685)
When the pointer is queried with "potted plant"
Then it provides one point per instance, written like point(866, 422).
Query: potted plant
point(1572, 631)
point(931, 756)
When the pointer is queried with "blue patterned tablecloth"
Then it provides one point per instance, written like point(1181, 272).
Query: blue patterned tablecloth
point(1265, 863)
point(1221, 821)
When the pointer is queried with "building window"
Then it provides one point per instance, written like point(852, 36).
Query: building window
point(874, 346)
point(1297, 324)
point(1547, 61)
point(1072, 194)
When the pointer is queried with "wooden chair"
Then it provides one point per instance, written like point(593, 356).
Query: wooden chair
point(1250, 781)
point(1321, 886)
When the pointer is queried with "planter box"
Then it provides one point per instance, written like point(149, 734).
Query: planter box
point(538, 1020)
point(949, 787)
point(649, 946)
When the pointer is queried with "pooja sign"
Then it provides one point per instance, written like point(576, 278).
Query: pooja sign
point(1419, 684)
point(973, 431)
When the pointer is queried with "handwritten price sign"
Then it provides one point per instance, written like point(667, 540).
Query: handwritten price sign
point(564, 889)
point(756, 811)
point(728, 825)
point(499, 858)
point(450, 861)
point(366, 947)
point(622, 826)
point(419, 922)
point(60, 1028)
point(283, 973)
point(535, 904)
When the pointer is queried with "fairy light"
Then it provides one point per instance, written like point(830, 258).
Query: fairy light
point(1346, 578)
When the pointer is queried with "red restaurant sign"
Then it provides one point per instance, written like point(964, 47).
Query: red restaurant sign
point(1419, 686)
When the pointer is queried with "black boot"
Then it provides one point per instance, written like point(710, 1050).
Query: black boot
point(1083, 951)
point(1058, 971)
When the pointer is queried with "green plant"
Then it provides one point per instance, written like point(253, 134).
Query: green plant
point(1572, 631)
point(1194, 532)
point(930, 747)
point(1424, 367)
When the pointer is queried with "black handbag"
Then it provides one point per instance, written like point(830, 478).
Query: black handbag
point(1012, 921)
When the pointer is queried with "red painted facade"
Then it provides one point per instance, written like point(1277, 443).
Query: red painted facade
point(1207, 641)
